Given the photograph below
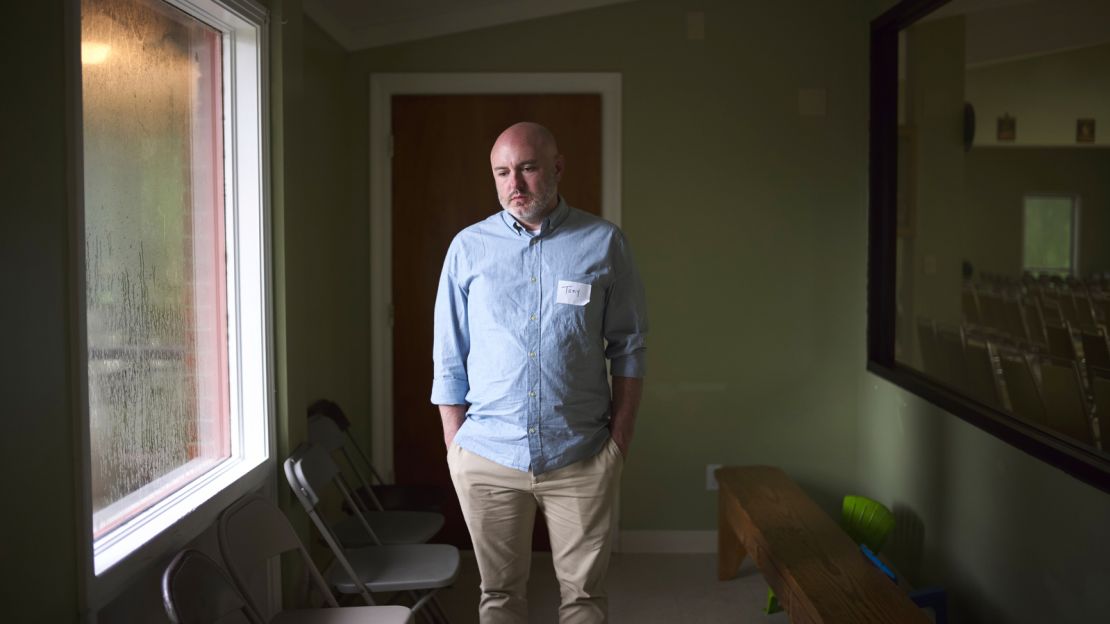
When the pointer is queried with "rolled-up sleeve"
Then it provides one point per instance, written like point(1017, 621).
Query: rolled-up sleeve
point(626, 322)
point(451, 339)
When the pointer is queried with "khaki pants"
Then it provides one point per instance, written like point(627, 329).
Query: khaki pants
point(499, 504)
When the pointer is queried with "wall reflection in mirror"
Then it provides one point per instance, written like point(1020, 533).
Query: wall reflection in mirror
point(1003, 284)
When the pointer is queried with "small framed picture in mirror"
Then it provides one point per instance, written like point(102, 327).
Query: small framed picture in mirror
point(1084, 130)
point(1007, 128)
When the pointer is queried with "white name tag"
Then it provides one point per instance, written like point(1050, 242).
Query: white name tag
point(573, 293)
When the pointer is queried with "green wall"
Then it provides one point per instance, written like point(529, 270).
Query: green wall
point(746, 219)
point(1012, 539)
point(321, 239)
point(996, 180)
point(1045, 94)
point(39, 550)
point(934, 99)
point(288, 213)
point(981, 190)
point(333, 237)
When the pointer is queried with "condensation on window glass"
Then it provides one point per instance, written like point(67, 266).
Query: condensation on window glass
point(154, 239)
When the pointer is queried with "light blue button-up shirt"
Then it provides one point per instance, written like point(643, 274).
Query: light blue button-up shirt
point(523, 325)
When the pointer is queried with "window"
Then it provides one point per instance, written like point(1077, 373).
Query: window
point(175, 261)
point(1050, 228)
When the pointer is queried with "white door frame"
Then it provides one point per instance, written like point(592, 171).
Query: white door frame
point(382, 89)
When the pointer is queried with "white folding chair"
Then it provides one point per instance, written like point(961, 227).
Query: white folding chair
point(372, 489)
point(196, 590)
point(391, 526)
point(252, 532)
point(417, 569)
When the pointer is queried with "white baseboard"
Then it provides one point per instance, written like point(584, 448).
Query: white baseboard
point(689, 542)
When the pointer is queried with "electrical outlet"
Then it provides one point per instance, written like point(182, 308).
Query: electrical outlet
point(710, 478)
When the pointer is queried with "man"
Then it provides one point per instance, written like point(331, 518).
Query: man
point(531, 303)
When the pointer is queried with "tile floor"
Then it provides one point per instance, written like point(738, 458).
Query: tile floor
point(643, 589)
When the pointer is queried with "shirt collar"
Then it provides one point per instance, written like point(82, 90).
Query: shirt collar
point(552, 221)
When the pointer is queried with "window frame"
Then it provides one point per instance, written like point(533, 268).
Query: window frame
point(1075, 216)
point(116, 560)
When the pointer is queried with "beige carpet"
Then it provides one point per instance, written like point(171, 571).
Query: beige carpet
point(643, 589)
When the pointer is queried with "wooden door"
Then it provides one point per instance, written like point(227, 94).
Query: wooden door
point(442, 183)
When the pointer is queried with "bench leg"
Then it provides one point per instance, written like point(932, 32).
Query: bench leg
point(730, 552)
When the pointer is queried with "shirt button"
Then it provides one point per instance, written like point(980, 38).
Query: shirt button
point(531, 429)
point(531, 394)
point(533, 279)
point(532, 318)
point(531, 354)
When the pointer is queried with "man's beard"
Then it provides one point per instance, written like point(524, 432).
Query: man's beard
point(536, 205)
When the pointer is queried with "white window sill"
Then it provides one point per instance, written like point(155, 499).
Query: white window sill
point(138, 555)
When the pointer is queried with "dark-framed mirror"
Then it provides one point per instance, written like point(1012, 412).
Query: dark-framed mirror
point(989, 237)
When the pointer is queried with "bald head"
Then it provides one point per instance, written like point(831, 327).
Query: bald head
point(527, 133)
point(527, 168)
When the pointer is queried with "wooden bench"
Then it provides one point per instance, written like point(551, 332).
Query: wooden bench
point(818, 573)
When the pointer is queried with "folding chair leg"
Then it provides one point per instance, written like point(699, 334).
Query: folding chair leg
point(428, 610)
point(425, 601)
point(427, 615)
point(441, 614)
point(437, 610)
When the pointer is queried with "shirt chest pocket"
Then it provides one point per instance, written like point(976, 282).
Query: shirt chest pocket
point(575, 290)
point(576, 305)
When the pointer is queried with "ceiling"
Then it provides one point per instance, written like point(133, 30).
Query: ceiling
point(360, 24)
point(1005, 30)
point(998, 30)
